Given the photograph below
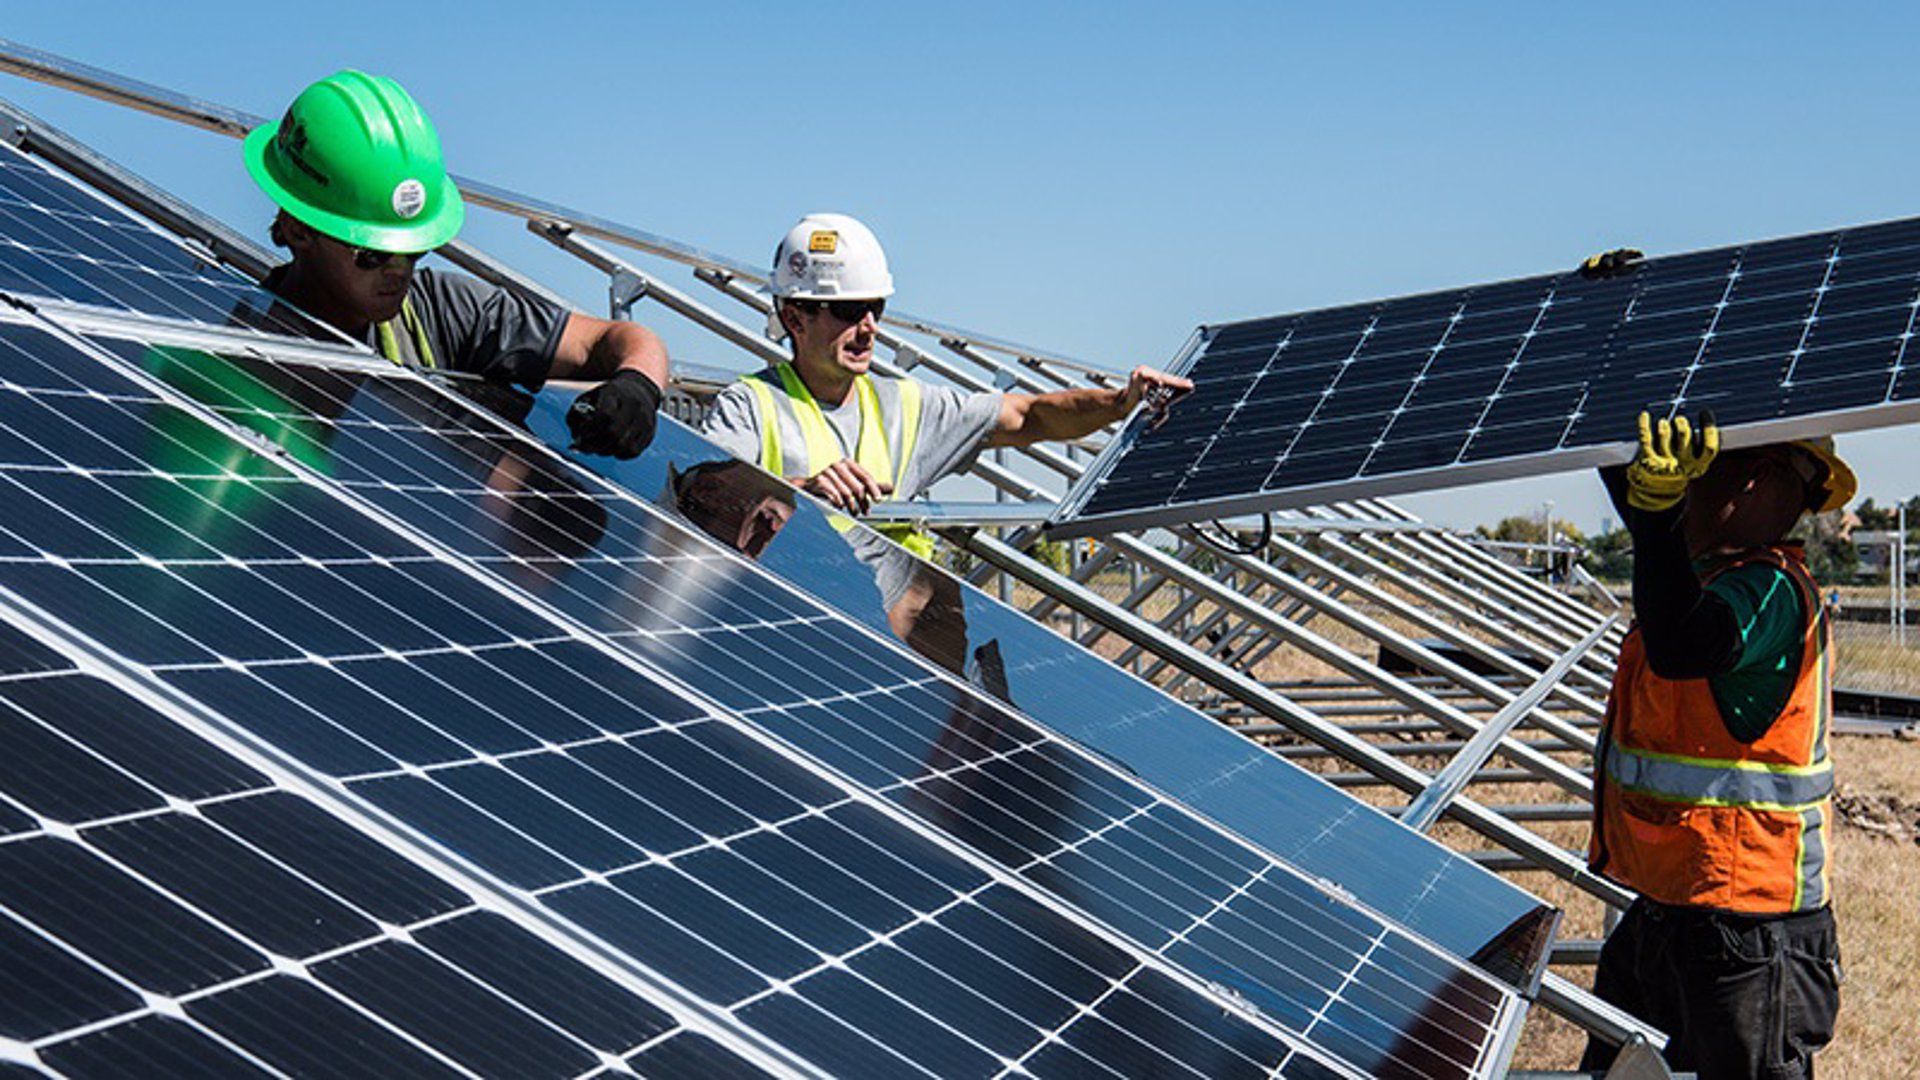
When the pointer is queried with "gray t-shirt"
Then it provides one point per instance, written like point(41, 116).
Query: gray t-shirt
point(478, 328)
point(953, 426)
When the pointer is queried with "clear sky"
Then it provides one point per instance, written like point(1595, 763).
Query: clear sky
point(1098, 178)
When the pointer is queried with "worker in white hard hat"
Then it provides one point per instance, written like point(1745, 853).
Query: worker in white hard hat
point(824, 422)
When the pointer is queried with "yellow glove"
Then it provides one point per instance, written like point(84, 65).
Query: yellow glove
point(1668, 460)
point(1610, 263)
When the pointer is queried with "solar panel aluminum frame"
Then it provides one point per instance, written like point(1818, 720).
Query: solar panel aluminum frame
point(1514, 1007)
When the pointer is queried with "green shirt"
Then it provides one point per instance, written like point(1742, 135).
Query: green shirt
point(1771, 616)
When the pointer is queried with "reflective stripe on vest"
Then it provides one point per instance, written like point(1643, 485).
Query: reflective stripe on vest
point(412, 350)
point(1718, 782)
point(1686, 814)
point(871, 450)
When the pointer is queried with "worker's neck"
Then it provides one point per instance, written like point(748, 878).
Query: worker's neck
point(828, 382)
point(303, 291)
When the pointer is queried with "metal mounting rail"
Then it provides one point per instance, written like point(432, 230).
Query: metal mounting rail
point(53, 70)
point(1421, 814)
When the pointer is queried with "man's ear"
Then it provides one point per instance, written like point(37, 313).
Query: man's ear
point(790, 318)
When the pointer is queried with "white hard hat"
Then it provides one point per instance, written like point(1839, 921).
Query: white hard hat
point(830, 257)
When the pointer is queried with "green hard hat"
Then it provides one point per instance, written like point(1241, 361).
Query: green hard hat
point(356, 158)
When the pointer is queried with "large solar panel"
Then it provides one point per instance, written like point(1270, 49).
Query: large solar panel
point(519, 744)
point(60, 241)
point(798, 844)
point(614, 804)
point(964, 765)
point(1783, 338)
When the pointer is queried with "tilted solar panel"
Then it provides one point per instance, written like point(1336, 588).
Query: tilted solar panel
point(59, 240)
point(1804, 335)
point(530, 756)
point(1118, 851)
point(166, 908)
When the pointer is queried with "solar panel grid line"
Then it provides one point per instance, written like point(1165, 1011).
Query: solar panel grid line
point(1412, 388)
point(203, 812)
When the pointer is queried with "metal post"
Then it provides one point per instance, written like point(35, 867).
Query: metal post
point(1425, 809)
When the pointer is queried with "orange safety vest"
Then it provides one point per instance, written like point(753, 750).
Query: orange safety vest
point(1686, 814)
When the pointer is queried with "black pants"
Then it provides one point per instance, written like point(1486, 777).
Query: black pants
point(1741, 996)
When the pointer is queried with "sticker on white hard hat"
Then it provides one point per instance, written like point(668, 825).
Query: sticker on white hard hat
point(409, 198)
point(824, 242)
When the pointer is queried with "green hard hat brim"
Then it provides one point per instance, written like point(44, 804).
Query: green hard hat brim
point(427, 233)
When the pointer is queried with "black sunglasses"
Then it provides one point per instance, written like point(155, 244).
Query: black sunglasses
point(847, 311)
point(368, 259)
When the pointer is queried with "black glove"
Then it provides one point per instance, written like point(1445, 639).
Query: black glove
point(617, 417)
point(1609, 263)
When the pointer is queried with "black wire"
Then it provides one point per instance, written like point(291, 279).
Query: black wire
point(1226, 543)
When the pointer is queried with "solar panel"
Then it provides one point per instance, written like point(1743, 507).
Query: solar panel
point(60, 241)
point(1783, 338)
point(1354, 983)
point(166, 908)
point(516, 743)
point(1288, 811)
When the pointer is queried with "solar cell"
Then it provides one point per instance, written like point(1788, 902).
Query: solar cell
point(58, 240)
point(1135, 861)
point(886, 941)
point(1803, 335)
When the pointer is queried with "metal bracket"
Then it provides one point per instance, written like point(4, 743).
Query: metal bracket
point(625, 288)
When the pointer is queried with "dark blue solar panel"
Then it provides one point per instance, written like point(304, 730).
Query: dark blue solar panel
point(1350, 401)
point(170, 910)
point(61, 241)
point(505, 736)
point(954, 758)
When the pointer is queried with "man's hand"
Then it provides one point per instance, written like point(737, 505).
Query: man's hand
point(1670, 457)
point(847, 486)
point(1157, 388)
point(1609, 263)
point(617, 417)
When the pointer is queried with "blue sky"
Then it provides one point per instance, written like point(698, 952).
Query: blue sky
point(1095, 179)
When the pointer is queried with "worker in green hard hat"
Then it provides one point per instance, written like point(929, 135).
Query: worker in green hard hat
point(355, 168)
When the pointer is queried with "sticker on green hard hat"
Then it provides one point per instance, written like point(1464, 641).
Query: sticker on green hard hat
point(409, 198)
point(356, 158)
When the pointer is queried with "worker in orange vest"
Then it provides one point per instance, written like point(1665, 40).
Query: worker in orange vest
point(1713, 788)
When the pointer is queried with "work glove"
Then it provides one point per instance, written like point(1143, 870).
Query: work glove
point(1670, 457)
point(1609, 263)
point(617, 417)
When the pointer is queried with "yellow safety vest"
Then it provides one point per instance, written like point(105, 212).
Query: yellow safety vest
point(393, 346)
point(823, 448)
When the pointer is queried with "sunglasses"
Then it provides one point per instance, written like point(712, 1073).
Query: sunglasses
point(847, 311)
point(368, 259)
